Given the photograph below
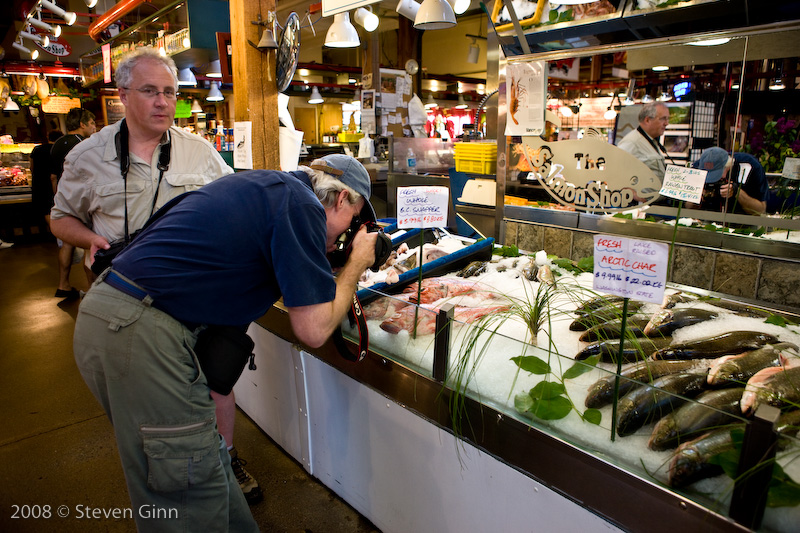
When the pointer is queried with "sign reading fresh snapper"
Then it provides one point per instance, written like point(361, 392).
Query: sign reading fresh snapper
point(590, 174)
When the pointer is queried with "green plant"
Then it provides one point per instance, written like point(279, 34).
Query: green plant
point(779, 140)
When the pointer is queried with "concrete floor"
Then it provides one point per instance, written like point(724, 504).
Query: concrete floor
point(57, 447)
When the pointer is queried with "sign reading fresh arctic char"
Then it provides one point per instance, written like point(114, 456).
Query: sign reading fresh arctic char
point(631, 268)
point(590, 174)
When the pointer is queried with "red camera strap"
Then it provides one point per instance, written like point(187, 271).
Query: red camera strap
point(356, 316)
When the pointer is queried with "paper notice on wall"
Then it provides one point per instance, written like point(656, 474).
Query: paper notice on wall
point(526, 95)
point(243, 145)
point(631, 268)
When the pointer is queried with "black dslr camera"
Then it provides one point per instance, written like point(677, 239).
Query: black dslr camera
point(383, 245)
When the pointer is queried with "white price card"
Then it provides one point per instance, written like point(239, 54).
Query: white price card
point(684, 183)
point(422, 207)
point(631, 268)
point(243, 145)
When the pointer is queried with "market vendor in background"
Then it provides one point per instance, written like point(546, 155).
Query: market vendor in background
point(734, 183)
point(643, 142)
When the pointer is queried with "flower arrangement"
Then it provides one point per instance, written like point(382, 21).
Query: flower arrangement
point(778, 141)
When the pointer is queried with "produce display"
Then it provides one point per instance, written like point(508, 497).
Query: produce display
point(531, 338)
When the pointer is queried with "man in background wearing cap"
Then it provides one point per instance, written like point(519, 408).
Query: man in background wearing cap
point(643, 142)
point(222, 256)
point(735, 184)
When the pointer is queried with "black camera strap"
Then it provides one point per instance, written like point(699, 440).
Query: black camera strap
point(125, 164)
point(657, 146)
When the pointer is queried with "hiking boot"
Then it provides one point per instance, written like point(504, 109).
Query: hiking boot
point(250, 489)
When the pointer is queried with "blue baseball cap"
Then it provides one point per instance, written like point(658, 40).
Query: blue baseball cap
point(348, 170)
point(712, 160)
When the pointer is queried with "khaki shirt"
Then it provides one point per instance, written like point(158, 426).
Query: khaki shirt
point(637, 145)
point(91, 188)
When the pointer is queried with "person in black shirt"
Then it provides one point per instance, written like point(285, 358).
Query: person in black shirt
point(80, 125)
point(42, 189)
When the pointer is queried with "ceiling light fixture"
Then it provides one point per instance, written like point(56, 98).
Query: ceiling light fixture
point(435, 15)
point(186, 78)
point(776, 84)
point(408, 8)
point(660, 68)
point(366, 18)
point(196, 107)
point(460, 6)
point(69, 16)
point(461, 103)
point(90, 3)
point(315, 98)
point(474, 52)
point(55, 29)
point(431, 103)
point(214, 69)
point(11, 105)
point(710, 42)
point(214, 94)
point(342, 33)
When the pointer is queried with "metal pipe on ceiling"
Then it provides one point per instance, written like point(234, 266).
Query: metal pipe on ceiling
point(118, 11)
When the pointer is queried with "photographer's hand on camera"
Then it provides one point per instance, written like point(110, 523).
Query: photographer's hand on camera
point(363, 251)
point(728, 190)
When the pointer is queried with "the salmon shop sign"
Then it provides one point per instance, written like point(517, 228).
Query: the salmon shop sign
point(590, 174)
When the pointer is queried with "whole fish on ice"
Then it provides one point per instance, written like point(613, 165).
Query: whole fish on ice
point(709, 410)
point(737, 369)
point(778, 386)
point(666, 321)
point(632, 349)
point(426, 318)
point(716, 346)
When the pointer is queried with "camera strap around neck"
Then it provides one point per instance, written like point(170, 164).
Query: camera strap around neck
point(125, 164)
point(657, 146)
point(356, 316)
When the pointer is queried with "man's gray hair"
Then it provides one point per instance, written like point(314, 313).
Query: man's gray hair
point(650, 110)
point(326, 186)
point(124, 74)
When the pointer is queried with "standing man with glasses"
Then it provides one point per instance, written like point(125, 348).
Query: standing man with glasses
point(90, 204)
point(643, 142)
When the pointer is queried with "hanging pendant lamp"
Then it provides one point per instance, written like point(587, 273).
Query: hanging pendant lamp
point(435, 15)
point(342, 33)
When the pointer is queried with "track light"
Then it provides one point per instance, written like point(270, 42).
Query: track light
point(315, 98)
point(37, 22)
point(435, 15)
point(214, 94)
point(90, 3)
point(34, 54)
point(366, 18)
point(408, 8)
point(69, 16)
point(44, 41)
point(342, 33)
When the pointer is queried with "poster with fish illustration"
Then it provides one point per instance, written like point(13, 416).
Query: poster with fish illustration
point(631, 268)
point(526, 95)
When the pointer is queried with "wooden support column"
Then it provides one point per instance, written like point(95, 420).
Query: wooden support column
point(255, 94)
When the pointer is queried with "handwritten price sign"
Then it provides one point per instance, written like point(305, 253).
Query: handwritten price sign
point(422, 207)
point(630, 268)
point(684, 183)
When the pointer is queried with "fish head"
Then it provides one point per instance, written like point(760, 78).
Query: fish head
point(658, 320)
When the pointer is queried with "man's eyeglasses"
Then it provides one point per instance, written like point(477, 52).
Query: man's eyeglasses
point(151, 92)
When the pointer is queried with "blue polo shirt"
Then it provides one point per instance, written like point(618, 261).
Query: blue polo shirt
point(224, 254)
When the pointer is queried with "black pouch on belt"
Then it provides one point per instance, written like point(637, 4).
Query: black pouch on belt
point(223, 351)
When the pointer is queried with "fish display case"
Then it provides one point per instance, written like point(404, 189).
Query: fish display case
point(504, 355)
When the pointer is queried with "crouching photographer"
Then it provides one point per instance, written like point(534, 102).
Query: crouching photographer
point(220, 256)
